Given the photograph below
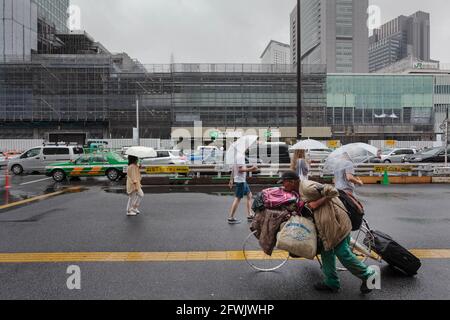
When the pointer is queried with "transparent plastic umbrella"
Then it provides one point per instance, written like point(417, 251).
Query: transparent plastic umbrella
point(141, 152)
point(236, 152)
point(348, 156)
point(309, 145)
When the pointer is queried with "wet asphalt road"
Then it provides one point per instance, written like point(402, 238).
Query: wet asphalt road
point(183, 219)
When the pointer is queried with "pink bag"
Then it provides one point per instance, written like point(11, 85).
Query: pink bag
point(277, 197)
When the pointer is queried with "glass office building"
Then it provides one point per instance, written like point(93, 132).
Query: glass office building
point(54, 13)
point(395, 106)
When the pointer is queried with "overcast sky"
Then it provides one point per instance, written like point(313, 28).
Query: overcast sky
point(215, 31)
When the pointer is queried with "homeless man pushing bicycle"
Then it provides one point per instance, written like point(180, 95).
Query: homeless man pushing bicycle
point(334, 227)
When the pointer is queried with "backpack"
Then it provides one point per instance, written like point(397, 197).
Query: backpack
point(354, 209)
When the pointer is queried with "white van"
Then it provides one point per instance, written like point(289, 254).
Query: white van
point(36, 159)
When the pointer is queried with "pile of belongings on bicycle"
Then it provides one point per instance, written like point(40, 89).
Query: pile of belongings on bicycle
point(283, 220)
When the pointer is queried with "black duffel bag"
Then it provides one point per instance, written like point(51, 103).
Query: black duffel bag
point(394, 254)
point(354, 209)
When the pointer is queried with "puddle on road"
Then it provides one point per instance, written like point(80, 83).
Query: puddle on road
point(12, 196)
point(220, 191)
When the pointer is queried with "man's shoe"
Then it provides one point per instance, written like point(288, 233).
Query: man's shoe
point(365, 289)
point(131, 214)
point(322, 287)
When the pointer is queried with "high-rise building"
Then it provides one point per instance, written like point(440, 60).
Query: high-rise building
point(18, 29)
point(54, 13)
point(29, 26)
point(334, 33)
point(400, 38)
point(276, 53)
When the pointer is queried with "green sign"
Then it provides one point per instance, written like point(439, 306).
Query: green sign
point(214, 134)
point(268, 134)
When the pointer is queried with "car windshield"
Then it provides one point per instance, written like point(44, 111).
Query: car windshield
point(387, 152)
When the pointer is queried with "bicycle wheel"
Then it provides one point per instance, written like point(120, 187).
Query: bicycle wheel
point(258, 260)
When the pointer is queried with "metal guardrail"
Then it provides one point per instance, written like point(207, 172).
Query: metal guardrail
point(274, 171)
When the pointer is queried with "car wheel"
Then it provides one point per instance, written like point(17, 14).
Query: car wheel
point(17, 169)
point(113, 174)
point(387, 161)
point(59, 175)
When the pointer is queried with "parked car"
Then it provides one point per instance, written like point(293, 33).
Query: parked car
point(36, 159)
point(435, 155)
point(109, 164)
point(396, 155)
point(270, 153)
point(166, 157)
point(5, 157)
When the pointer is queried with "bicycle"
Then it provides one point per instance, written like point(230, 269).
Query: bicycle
point(361, 243)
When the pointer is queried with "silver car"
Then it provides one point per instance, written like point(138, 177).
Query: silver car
point(396, 155)
point(36, 159)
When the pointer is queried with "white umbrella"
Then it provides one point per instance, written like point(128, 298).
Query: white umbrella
point(348, 156)
point(309, 145)
point(141, 152)
point(236, 152)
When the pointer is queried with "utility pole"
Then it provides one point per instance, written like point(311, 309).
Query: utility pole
point(299, 75)
point(137, 121)
point(446, 139)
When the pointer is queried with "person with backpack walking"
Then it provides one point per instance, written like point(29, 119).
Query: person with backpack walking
point(134, 187)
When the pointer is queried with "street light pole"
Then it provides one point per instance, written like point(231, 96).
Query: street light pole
point(299, 74)
point(137, 121)
point(446, 140)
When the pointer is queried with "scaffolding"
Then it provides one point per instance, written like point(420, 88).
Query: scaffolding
point(97, 93)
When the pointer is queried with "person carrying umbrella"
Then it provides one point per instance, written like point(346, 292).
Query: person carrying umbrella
point(134, 186)
point(236, 158)
point(344, 177)
point(300, 165)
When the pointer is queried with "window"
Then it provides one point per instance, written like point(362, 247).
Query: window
point(163, 154)
point(56, 151)
point(32, 153)
point(82, 160)
point(99, 159)
point(78, 151)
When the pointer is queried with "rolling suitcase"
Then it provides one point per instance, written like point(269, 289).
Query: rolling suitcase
point(394, 254)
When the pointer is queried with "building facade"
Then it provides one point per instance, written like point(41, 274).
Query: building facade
point(334, 33)
point(18, 29)
point(30, 26)
point(97, 93)
point(398, 107)
point(54, 13)
point(400, 38)
point(276, 53)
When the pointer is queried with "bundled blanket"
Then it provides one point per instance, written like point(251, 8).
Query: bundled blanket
point(267, 224)
point(332, 221)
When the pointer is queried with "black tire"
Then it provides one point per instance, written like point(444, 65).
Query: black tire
point(113, 174)
point(59, 175)
point(17, 169)
point(387, 161)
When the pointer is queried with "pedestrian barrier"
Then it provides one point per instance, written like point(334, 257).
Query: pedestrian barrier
point(382, 171)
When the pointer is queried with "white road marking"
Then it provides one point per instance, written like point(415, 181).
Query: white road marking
point(35, 181)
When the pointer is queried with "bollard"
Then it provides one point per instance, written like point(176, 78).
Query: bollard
point(385, 178)
point(7, 186)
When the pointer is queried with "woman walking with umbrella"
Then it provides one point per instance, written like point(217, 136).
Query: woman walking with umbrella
point(300, 165)
point(134, 186)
